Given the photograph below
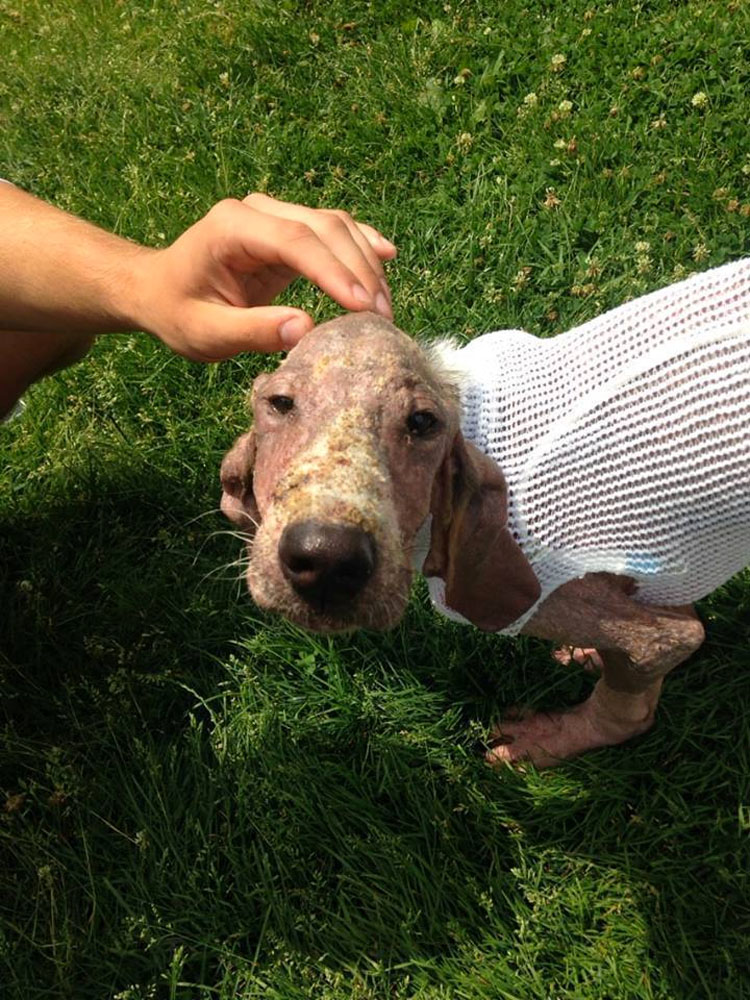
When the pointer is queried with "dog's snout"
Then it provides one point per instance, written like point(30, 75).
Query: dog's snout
point(326, 564)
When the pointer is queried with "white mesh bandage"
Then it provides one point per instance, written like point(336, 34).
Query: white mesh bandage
point(624, 441)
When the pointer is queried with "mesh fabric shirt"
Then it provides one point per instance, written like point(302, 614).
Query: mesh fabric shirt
point(624, 441)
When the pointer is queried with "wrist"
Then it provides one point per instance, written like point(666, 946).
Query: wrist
point(61, 274)
point(134, 291)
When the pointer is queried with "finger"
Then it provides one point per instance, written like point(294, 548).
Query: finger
point(229, 330)
point(367, 248)
point(248, 238)
point(339, 233)
point(336, 231)
point(322, 219)
point(382, 246)
point(291, 210)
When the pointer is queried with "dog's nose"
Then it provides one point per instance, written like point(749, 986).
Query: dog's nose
point(326, 564)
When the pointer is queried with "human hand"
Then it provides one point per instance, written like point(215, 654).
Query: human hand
point(207, 295)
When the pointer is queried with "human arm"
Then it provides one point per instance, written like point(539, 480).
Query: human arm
point(206, 296)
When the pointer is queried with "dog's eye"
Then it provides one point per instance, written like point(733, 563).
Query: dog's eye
point(421, 423)
point(281, 404)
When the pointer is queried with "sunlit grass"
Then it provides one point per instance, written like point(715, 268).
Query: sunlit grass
point(203, 803)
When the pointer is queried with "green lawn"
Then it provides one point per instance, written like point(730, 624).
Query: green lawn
point(200, 802)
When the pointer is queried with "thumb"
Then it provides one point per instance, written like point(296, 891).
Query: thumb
point(232, 329)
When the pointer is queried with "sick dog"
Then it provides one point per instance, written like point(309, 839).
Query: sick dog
point(585, 488)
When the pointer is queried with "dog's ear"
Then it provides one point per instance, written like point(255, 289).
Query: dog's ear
point(487, 577)
point(237, 498)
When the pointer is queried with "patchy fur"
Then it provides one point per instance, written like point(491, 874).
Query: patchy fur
point(356, 446)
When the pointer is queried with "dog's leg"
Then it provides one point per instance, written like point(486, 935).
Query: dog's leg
point(638, 646)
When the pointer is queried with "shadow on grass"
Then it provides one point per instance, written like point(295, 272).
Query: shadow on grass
point(100, 587)
point(192, 794)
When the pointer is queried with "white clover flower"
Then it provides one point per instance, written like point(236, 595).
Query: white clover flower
point(700, 253)
point(700, 100)
point(557, 62)
point(643, 263)
point(521, 279)
point(531, 100)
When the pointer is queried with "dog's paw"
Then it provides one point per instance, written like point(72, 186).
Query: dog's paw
point(546, 739)
point(586, 657)
point(543, 739)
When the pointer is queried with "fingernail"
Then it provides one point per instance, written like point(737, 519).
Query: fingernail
point(383, 306)
point(388, 244)
point(361, 294)
point(386, 289)
point(292, 331)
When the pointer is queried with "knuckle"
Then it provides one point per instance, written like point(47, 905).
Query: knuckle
point(334, 225)
point(294, 231)
point(223, 212)
point(342, 216)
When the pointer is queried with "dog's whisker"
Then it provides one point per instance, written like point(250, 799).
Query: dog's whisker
point(217, 571)
point(204, 514)
point(242, 536)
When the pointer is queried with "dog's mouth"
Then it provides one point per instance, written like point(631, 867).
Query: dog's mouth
point(329, 577)
point(339, 615)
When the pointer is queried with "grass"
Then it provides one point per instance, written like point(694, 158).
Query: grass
point(200, 802)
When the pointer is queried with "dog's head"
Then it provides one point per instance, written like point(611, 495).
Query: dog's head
point(355, 443)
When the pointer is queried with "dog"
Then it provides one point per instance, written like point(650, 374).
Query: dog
point(585, 488)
